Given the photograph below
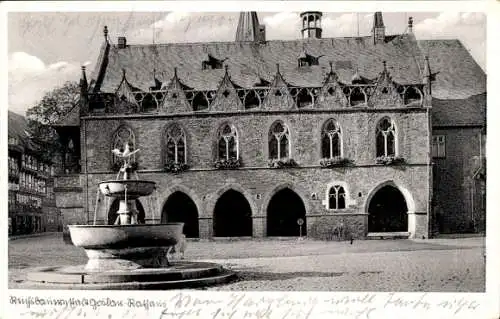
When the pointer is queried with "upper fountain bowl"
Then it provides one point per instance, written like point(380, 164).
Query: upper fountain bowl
point(135, 188)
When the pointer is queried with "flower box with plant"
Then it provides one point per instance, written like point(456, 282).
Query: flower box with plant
point(335, 162)
point(172, 167)
point(390, 160)
point(282, 163)
point(231, 163)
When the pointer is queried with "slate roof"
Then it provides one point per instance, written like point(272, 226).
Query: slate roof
point(17, 127)
point(458, 90)
point(72, 118)
point(470, 111)
point(248, 62)
point(459, 76)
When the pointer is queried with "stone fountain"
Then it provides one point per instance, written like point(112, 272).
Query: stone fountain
point(128, 254)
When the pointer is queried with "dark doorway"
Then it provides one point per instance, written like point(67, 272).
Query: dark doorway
point(232, 215)
point(112, 214)
point(284, 209)
point(181, 208)
point(388, 211)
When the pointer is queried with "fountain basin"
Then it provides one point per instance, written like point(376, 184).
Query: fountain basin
point(135, 188)
point(126, 247)
point(125, 236)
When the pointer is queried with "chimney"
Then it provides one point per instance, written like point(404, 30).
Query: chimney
point(122, 42)
point(378, 30)
point(262, 33)
point(410, 25)
point(311, 24)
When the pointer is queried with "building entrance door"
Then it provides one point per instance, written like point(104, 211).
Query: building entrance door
point(181, 208)
point(284, 209)
point(232, 215)
point(388, 211)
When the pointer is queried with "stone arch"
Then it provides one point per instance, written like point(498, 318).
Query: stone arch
point(299, 191)
point(232, 215)
point(408, 198)
point(179, 207)
point(234, 186)
point(183, 189)
point(279, 224)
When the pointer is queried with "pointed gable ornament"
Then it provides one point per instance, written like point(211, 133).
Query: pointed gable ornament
point(226, 98)
point(278, 97)
point(175, 100)
point(332, 95)
point(385, 93)
point(84, 103)
point(125, 101)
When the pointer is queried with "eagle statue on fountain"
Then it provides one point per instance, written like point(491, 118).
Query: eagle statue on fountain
point(125, 154)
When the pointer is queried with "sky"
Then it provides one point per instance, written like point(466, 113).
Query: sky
point(46, 49)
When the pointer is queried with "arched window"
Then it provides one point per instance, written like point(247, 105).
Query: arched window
point(336, 197)
point(331, 140)
point(279, 141)
point(386, 138)
point(228, 143)
point(123, 136)
point(175, 140)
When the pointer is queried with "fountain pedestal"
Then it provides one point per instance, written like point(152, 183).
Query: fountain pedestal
point(128, 255)
point(126, 259)
point(127, 213)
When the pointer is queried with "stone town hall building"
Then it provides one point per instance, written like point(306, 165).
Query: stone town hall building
point(355, 136)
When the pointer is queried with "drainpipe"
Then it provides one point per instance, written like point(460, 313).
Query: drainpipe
point(430, 219)
point(85, 169)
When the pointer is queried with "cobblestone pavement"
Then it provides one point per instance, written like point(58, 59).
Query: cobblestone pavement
point(451, 265)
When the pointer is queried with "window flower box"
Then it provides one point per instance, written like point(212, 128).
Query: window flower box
point(133, 166)
point(175, 168)
point(335, 162)
point(232, 163)
point(390, 160)
point(282, 163)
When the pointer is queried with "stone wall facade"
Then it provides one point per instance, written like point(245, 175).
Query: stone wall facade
point(454, 180)
point(254, 179)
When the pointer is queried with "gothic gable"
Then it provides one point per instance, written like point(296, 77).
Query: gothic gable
point(125, 101)
point(278, 97)
point(332, 95)
point(175, 100)
point(385, 93)
point(226, 99)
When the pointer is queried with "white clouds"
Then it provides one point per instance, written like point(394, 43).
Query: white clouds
point(347, 25)
point(447, 22)
point(22, 61)
point(188, 27)
point(30, 79)
point(469, 28)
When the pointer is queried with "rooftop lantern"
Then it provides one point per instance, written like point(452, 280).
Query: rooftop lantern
point(311, 24)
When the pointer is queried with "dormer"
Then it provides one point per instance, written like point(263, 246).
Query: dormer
point(212, 63)
point(307, 60)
